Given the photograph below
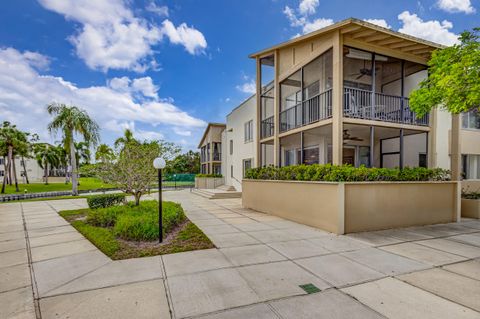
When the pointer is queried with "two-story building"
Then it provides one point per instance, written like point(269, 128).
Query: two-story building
point(341, 95)
point(211, 149)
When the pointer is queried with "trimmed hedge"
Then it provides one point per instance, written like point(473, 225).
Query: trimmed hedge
point(105, 200)
point(209, 175)
point(346, 173)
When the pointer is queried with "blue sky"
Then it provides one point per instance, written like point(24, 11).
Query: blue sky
point(166, 68)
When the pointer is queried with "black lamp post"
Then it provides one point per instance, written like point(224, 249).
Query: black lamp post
point(159, 164)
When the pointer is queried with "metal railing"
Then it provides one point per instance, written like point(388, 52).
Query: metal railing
point(217, 156)
point(388, 108)
point(267, 127)
point(314, 109)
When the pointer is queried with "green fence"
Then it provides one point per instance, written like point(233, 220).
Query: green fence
point(178, 181)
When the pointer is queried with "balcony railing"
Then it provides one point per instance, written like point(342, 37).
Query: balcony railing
point(314, 109)
point(217, 156)
point(388, 108)
point(267, 127)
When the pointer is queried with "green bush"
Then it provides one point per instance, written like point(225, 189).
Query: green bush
point(209, 175)
point(88, 170)
point(470, 195)
point(105, 200)
point(346, 173)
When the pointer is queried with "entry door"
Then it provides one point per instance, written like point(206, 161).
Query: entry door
point(349, 155)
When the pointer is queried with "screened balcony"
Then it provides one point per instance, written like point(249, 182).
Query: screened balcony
point(382, 94)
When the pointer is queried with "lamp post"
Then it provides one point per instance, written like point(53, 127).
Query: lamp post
point(159, 164)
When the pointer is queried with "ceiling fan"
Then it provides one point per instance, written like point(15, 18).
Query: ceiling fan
point(363, 71)
point(348, 137)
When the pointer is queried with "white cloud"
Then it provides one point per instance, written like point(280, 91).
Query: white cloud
point(24, 93)
point(112, 37)
point(120, 126)
point(161, 11)
point(432, 30)
point(380, 22)
point(308, 6)
point(192, 39)
point(300, 17)
point(456, 6)
point(248, 87)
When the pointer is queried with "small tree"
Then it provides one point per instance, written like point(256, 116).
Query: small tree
point(46, 156)
point(132, 170)
point(104, 153)
point(454, 78)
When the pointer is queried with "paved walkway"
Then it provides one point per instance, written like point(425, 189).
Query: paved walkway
point(48, 270)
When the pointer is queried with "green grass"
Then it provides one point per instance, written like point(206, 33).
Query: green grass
point(128, 231)
point(86, 183)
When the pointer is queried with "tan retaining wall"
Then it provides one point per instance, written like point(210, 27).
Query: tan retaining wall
point(471, 208)
point(354, 207)
point(375, 206)
point(208, 182)
point(310, 203)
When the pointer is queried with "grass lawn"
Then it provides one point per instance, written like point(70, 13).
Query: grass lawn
point(86, 183)
point(129, 231)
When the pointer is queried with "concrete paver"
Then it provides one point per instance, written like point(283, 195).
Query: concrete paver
point(194, 261)
point(424, 254)
point(253, 254)
point(338, 243)
point(329, 304)
point(14, 277)
point(138, 300)
point(452, 247)
point(469, 268)
point(339, 271)
point(12, 258)
point(260, 311)
point(233, 240)
point(396, 299)
point(471, 239)
point(448, 285)
point(279, 280)
point(14, 244)
point(299, 249)
point(61, 249)
point(210, 291)
point(17, 304)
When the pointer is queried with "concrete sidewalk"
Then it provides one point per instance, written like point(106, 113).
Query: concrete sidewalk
point(48, 270)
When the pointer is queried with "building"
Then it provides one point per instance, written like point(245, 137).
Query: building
point(341, 95)
point(34, 171)
point(211, 149)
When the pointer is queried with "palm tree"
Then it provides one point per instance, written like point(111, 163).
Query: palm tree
point(125, 139)
point(10, 139)
point(71, 120)
point(46, 155)
point(83, 152)
point(104, 153)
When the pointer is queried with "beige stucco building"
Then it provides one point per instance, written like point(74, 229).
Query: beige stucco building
point(211, 149)
point(341, 95)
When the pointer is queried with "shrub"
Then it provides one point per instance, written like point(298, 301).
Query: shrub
point(470, 195)
point(346, 173)
point(88, 170)
point(103, 217)
point(209, 175)
point(105, 200)
point(141, 222)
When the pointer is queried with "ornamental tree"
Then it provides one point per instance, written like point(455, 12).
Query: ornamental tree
point(453, 82)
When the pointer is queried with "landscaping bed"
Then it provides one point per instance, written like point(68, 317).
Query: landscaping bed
point(471, 204)
point(129, 231)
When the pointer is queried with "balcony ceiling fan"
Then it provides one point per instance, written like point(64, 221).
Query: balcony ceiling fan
point(348, 137)
point(364, 71)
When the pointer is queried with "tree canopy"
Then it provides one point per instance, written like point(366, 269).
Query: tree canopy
point(453, 82)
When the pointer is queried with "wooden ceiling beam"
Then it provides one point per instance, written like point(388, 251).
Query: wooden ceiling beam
point(350, 29)
point(377, 37)
point(362, 34)
point(413, 47)
point(402, 44)
point(389, 41)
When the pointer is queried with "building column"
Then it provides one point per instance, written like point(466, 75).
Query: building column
point(276, 112)
point(302, 157)
point(372, 146)
point(401, 148)
point(337, 100)
point(258, 159)
point(432, 140)
point(455, 147)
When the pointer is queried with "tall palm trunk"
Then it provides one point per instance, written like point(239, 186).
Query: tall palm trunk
point(15, 174)
point(25, 170)
point(45, 172)
point(73, 162)
point(6, 165)
point(10, 155)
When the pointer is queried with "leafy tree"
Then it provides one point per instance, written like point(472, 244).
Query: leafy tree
point(132, 170)
point(187, 163)
point(71, 120)
point(453, 80)
point(104, 153)
point(82, 152)
point(47, 156)
point(125, 139)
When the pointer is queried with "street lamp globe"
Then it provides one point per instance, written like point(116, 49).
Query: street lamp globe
point(159, 163)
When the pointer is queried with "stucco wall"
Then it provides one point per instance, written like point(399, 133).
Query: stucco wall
point(354, 207)
point(310, 203)
point(471, 208)
point(241, 150)
point(374, 206)
point(208, 182)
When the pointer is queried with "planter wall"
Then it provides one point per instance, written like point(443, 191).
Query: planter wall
point(353, 207)
point(208, 182)
point(471, 208)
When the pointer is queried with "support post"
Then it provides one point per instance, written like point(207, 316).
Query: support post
point(160, 204)
point(374, 89)
point(402, 93)
point(337, 100)
point(456, 156)
point(372, 145)
point(258, 97)
point(301, 148)
point(401, 149)
point(276, 111)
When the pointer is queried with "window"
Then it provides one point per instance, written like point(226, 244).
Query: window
point(231, 171)
point(247, 164)
point(2, 173)
point(2, 161)
point(471, 166)
point(422, 160)
point(248, 131)
point(231, 147)
point(471, 120)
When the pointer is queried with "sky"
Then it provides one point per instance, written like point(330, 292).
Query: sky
point(164, 69)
